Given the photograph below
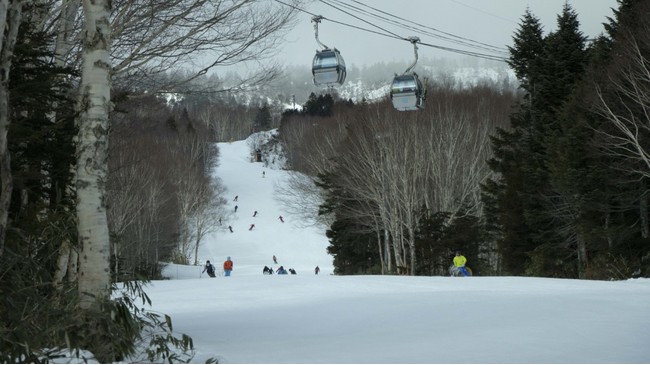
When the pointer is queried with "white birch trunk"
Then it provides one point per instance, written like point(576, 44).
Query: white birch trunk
point(94, 106)
point(10, 15)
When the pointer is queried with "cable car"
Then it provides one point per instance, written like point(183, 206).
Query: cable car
point(328, 67)
point(406, 91)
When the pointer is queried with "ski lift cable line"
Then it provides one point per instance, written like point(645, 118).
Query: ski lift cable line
point(484, 12)
point(434, 29)
point(338, 22)
point(363, 20)
point(475, 45)
point(395, 36)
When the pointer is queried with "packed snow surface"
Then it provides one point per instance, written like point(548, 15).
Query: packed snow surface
point(325, 318)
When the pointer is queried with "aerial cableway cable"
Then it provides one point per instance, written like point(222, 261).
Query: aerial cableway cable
point(389, 34)
point(420, 28)
point(394, 35)
point(407, 92)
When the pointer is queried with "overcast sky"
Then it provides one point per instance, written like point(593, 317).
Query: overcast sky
point(490, 22)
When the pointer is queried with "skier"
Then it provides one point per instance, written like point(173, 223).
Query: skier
point(316, 270)
point(209, 268)
point(227, 266)
point(275, 259)
point(292, 271)
point(236, 208)
point(230, 228)
point(251, 227)
point(459, 263)
point(255, 213)
point(281, 219)
point(263, 173)
point(236, 198)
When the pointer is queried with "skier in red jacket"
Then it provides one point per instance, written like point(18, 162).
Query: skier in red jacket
point(227, 266)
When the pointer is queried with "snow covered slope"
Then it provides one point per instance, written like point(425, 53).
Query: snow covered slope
point(306, 318)
point(294, 245)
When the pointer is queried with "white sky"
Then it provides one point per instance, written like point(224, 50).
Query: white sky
point(492, 22)
point(305, 318)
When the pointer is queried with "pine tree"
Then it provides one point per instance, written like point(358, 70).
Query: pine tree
point(263, 118)
point(504, 212)
point(42, 148)
point(517, 206)
point(354, 248)
point(320, 105)
point(528, 45)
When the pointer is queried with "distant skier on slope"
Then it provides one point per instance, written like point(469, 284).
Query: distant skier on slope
point(251, 227)
point(209, 268)
point(230, 228)
point(281, 219)
point(255, 213)
point(227, 266)
point(275, 259)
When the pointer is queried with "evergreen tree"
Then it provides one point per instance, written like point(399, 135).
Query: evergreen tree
point(320, 105)
point(41, 137)
point(559, 68)
point(528, 44)
point(263, 118)
point(34, 313)
point(354, 248)
point(517, 206)
point(504, 218)
point(504, 212)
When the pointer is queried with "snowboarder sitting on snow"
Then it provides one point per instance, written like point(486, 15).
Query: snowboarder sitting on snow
point(459, 264)
point(209, 268)
point(281, 271)
point(292, 271)
point(267, 271)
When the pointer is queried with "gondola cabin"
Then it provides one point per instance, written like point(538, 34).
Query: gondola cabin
point(407, 92)
point(328, 68)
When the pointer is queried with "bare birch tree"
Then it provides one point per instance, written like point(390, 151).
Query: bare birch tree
point(625, 104)
point(313, 146)
point(459, 147)
point(630, 113)
point(206, 219)
point(92, 146)
point(154, 37)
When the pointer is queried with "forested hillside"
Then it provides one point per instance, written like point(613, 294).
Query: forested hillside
point(550, 182)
